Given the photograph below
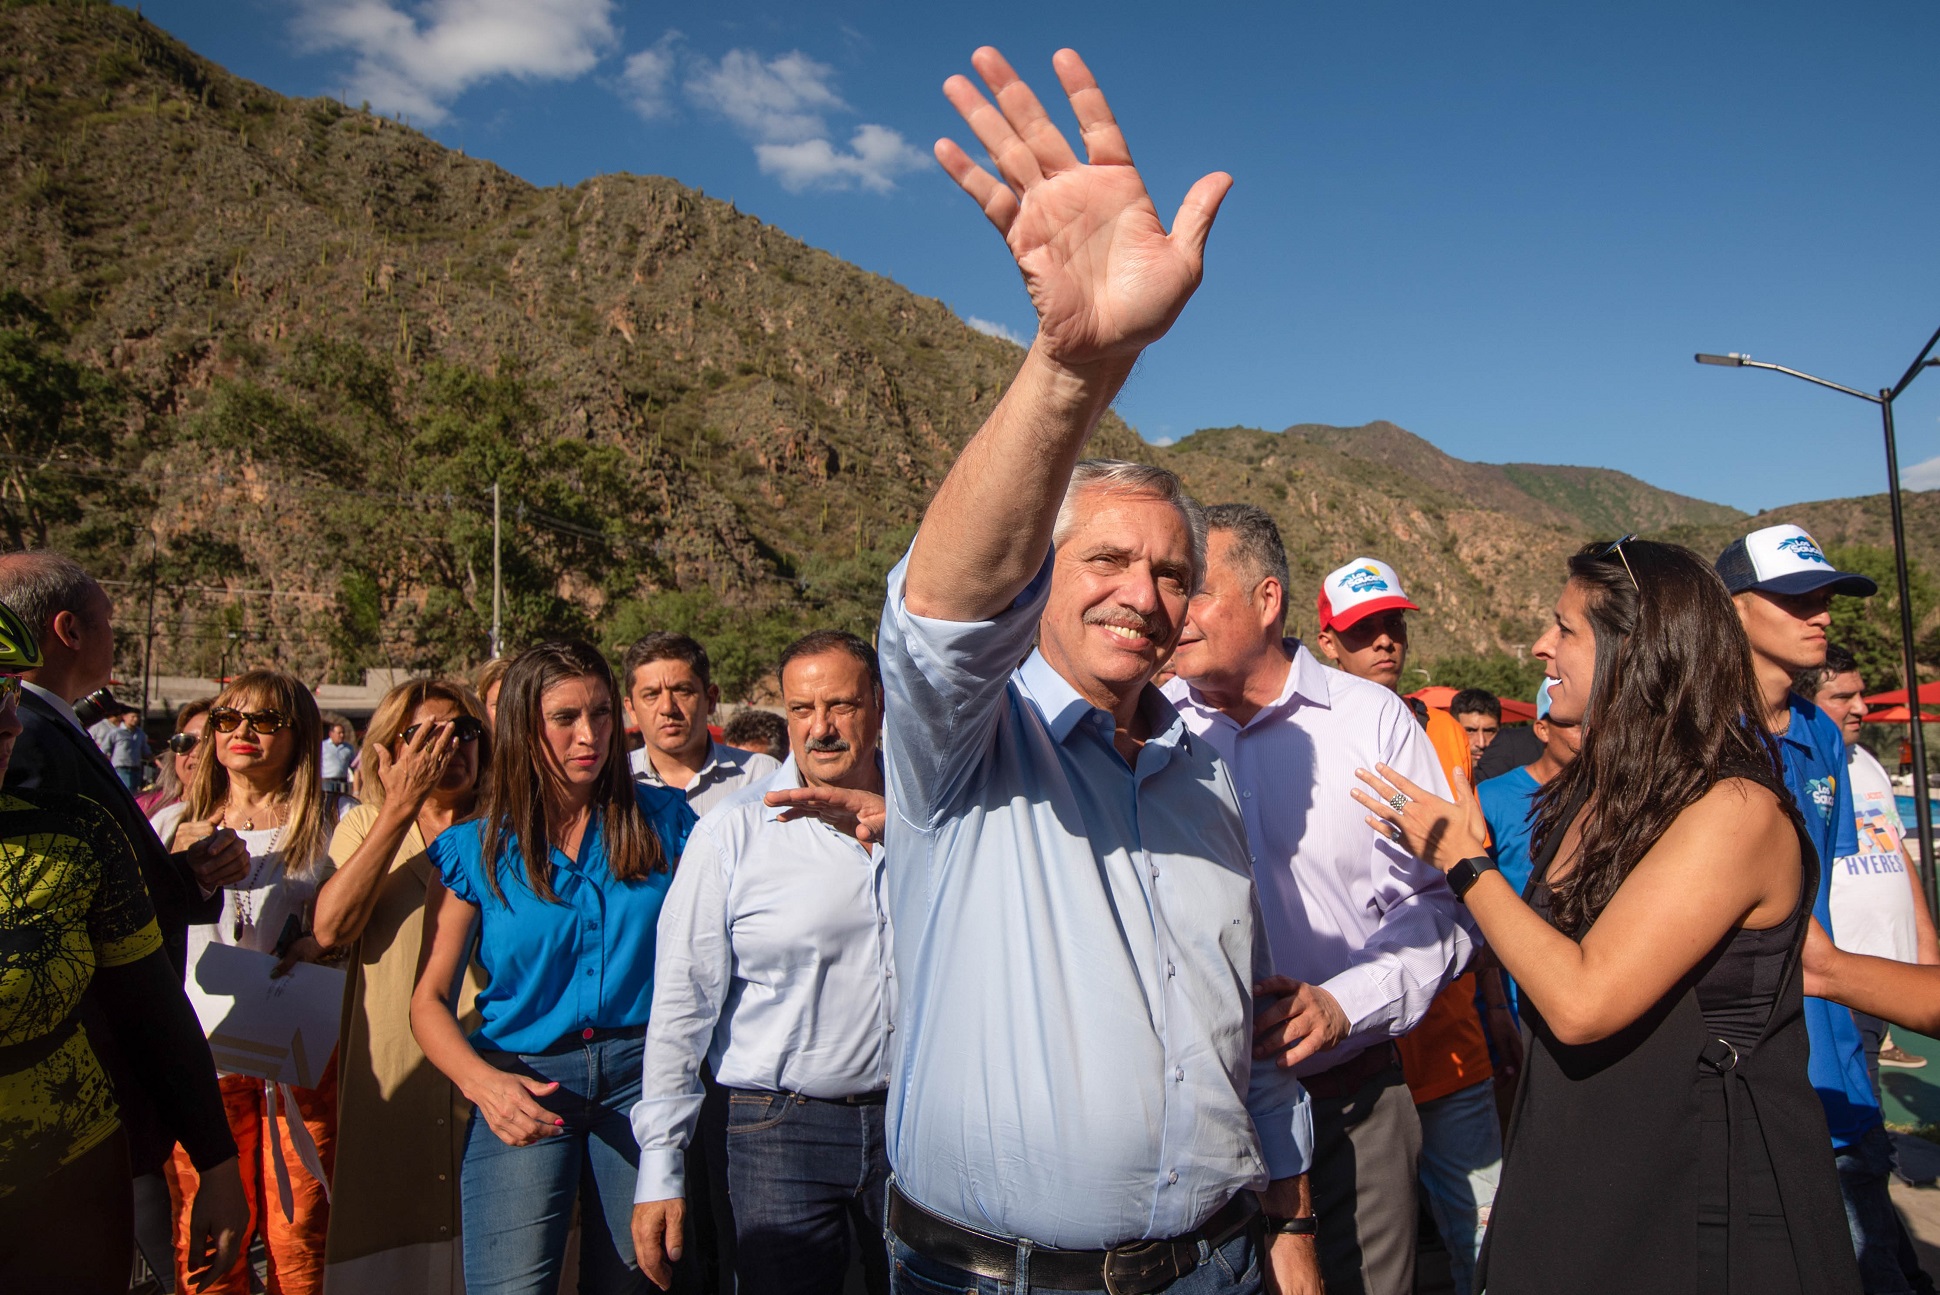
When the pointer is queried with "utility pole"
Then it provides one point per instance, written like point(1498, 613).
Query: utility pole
point(498, 593)
point(148, 643)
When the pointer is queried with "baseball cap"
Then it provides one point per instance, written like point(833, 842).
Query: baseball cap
point(1542, 700)
point(1361, 588)
point(1785, 560)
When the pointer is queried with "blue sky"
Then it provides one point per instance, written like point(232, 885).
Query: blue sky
point(1505, 227)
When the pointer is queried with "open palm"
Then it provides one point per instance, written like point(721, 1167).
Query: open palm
point(1105, 276)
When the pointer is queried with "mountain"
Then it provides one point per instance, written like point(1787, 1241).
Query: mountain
point(263, 359)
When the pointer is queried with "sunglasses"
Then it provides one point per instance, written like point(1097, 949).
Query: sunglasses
point(223, 719)
point(182, 743)
point(1616, 547)
point(467, 728)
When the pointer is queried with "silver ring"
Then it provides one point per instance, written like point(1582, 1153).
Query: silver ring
point(1397, 802)
point(1394, 833)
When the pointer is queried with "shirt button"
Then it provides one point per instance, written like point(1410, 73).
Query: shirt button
point(1180, 1074)
point(1171, 970)
point(588, 971)
point(1172, 1177)
point(1247, 794)
point(441, 1119)
point(1155, 874)
point(441, 1177)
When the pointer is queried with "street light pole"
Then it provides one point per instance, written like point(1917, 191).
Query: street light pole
point(498, 598)
point(1922, 807)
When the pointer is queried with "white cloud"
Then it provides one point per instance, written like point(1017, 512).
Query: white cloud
point(781, 105)
point(649, 77)
point(416, 58)
point(991, 328)
point(1921, 476)
point(875, 157)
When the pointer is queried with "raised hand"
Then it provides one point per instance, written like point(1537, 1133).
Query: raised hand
point(213, 854)
point(1438, 832)
point(1105, 276)
point(410, 776)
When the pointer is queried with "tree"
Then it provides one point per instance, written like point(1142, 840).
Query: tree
point(1497, 672)
point(55, 417)
point(1869, 628)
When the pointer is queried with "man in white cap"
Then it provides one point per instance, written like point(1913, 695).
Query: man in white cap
point(1363, 933)
point(1783, 586)
point(1364, 628)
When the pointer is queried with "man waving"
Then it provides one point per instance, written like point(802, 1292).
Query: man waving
point(1074, 1103)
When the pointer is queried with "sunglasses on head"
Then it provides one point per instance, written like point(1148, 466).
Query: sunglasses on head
point(224, 719)
point(1615, 547)
point(467, 728)
point(182, 743)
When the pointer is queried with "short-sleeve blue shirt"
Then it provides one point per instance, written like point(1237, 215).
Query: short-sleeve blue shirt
point(584, 962)
point(1814, 751)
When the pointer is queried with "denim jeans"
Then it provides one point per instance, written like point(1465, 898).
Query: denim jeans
point(801, 1175)
point(518, 1201)
point(1887, 1262)
point(1233, 1269)
point(1461, 1161)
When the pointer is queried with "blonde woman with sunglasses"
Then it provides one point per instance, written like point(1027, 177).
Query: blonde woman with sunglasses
point(256, 783)
point(400, 1123)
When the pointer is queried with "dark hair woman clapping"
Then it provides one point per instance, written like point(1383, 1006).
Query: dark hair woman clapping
point(1665, 1136)
point(562, 874)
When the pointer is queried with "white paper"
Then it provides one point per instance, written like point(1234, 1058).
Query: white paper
point(283, 1029)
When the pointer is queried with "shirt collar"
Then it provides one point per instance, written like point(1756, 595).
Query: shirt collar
point(652, 775)
point(1062, 707)
point(1799, 731)
point(789, 775)
point(1306, 680)
point(58, 703)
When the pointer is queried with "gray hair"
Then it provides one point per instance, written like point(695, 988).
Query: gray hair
point(1116, 476)
point(1256, 548)
point(38, 585)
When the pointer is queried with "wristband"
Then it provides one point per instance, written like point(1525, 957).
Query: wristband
point(1467, 872)
point(1306, 1225)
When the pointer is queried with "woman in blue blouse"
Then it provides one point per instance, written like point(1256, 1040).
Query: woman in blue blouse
point(561, 876)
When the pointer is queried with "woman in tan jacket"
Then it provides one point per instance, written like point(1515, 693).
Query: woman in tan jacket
point(401, 1124)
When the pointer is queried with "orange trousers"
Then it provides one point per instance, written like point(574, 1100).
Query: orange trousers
point(294, 1246)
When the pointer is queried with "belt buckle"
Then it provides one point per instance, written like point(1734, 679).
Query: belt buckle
point(1142, 1269)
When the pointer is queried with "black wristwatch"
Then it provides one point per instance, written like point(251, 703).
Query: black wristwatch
point(1306, 1225)
point(1467, 872)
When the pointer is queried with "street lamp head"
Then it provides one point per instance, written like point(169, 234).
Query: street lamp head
point(1734, 359)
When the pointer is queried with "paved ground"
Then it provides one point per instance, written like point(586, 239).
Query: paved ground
point(1912, 1097)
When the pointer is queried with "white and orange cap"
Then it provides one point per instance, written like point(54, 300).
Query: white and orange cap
point(1361, 588)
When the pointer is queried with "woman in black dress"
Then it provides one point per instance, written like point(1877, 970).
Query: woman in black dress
point(1665, 1137)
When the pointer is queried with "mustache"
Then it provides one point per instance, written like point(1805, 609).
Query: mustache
point(829, 745)
point(1126, 618)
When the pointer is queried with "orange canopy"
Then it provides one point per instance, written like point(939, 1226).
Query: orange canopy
point(1929, 696)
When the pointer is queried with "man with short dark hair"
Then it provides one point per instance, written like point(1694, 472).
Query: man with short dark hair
point(1364, 934)
point(1783, 585)
point(1877, 906)
point(757, 730)
point(773, 965)
point(670, 695)
point(1479, 712)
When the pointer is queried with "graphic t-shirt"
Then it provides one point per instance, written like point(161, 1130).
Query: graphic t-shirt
point(71, 900)
point(1872, 897)
point(1814, 752)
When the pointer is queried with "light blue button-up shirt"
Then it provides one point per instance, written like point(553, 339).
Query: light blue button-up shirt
point(1076, 941)
point(773, 963)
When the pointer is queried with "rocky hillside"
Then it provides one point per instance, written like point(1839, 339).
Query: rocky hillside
point(262, 360)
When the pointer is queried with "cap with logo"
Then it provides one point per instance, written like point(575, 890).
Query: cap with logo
point(1361, 588)
point(1785, 560)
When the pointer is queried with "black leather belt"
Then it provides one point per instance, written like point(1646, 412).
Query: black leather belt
point(1135, 1268)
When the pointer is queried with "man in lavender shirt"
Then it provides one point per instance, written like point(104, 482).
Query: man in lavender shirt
point(1363, 935)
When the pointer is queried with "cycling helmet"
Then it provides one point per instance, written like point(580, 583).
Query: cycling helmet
point(18, 650)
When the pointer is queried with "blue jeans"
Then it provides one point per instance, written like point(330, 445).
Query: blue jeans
point(1887, 1262)
point(130, 778)
point(801, 1175)
point(1461, 1161)
point(518, 1201)
point(1233, 1269)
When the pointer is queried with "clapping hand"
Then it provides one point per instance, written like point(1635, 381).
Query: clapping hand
point(1105, 277)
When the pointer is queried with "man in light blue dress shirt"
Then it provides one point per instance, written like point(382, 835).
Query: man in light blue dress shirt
point(1075, 1102)
point(773, 966)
